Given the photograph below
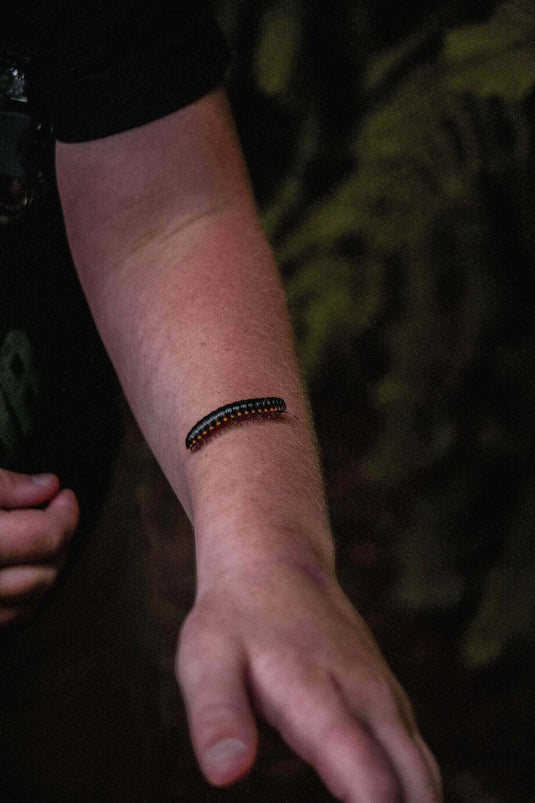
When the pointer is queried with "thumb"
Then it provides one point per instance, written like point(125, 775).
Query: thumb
point(223, 731)
point(26, 490)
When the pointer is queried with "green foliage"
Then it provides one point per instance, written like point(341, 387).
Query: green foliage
point(278, 47)
point(494, 58)
point(398, 193)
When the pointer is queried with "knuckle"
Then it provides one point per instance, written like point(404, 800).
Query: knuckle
point(210, 713)
point(189, 633)
point(382, 696)
point(54, 539)
point(198, 629)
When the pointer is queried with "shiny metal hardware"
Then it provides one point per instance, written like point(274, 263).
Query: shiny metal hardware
point(22, 142)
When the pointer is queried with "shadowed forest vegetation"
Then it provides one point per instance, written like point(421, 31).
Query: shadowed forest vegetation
point(391, 147)
point(392, 153)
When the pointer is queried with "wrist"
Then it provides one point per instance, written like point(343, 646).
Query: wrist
point(256, 495)
point(244, 543)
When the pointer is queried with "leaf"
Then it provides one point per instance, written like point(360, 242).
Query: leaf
point(496, 57)
point(278, 47)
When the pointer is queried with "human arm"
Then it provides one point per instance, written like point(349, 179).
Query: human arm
point(33, 538)
point(183, 287)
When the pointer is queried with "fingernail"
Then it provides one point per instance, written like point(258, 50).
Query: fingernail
point(223, 754)
point(65, 497)
point(43, 479)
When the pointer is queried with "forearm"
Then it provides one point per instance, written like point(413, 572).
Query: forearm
point(199, 323)
point(193, 316)
point(185, 293)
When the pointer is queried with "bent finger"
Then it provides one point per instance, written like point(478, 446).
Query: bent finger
point(25, 584)
point(25, 490)
point(432, 763)
point(419, 778)
point(314, 720)
point(386, 709)
point(33, 536)
point(63, 510)
point(221, 722)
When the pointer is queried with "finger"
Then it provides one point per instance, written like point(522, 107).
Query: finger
point(221, 722)
point(432, 764)
point(26, 490)
point(32, 536)
point(313, 718)
point(25, 584)
point(419, 779)
point(391, 720)
point(63, 509)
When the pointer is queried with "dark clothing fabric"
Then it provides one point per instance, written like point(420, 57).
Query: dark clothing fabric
point(100, 67)
point(79, 687)
point(78, 715)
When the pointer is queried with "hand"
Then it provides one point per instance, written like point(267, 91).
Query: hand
point(32, 541)
point(285, 639)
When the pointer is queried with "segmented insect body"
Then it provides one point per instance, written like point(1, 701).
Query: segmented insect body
point(269, 407)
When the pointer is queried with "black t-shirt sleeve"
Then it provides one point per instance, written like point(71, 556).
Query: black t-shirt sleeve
point(110, 66)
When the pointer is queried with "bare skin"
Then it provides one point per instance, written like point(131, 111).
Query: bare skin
point(32, 540)
point(183, 287)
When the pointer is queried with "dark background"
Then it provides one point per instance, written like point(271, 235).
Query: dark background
point(391, 146)
point(391, 149)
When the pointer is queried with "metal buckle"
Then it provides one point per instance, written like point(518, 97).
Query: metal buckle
point(22, 142)
point(13, 68)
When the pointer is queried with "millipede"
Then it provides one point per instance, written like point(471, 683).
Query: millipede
point(247, 409)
